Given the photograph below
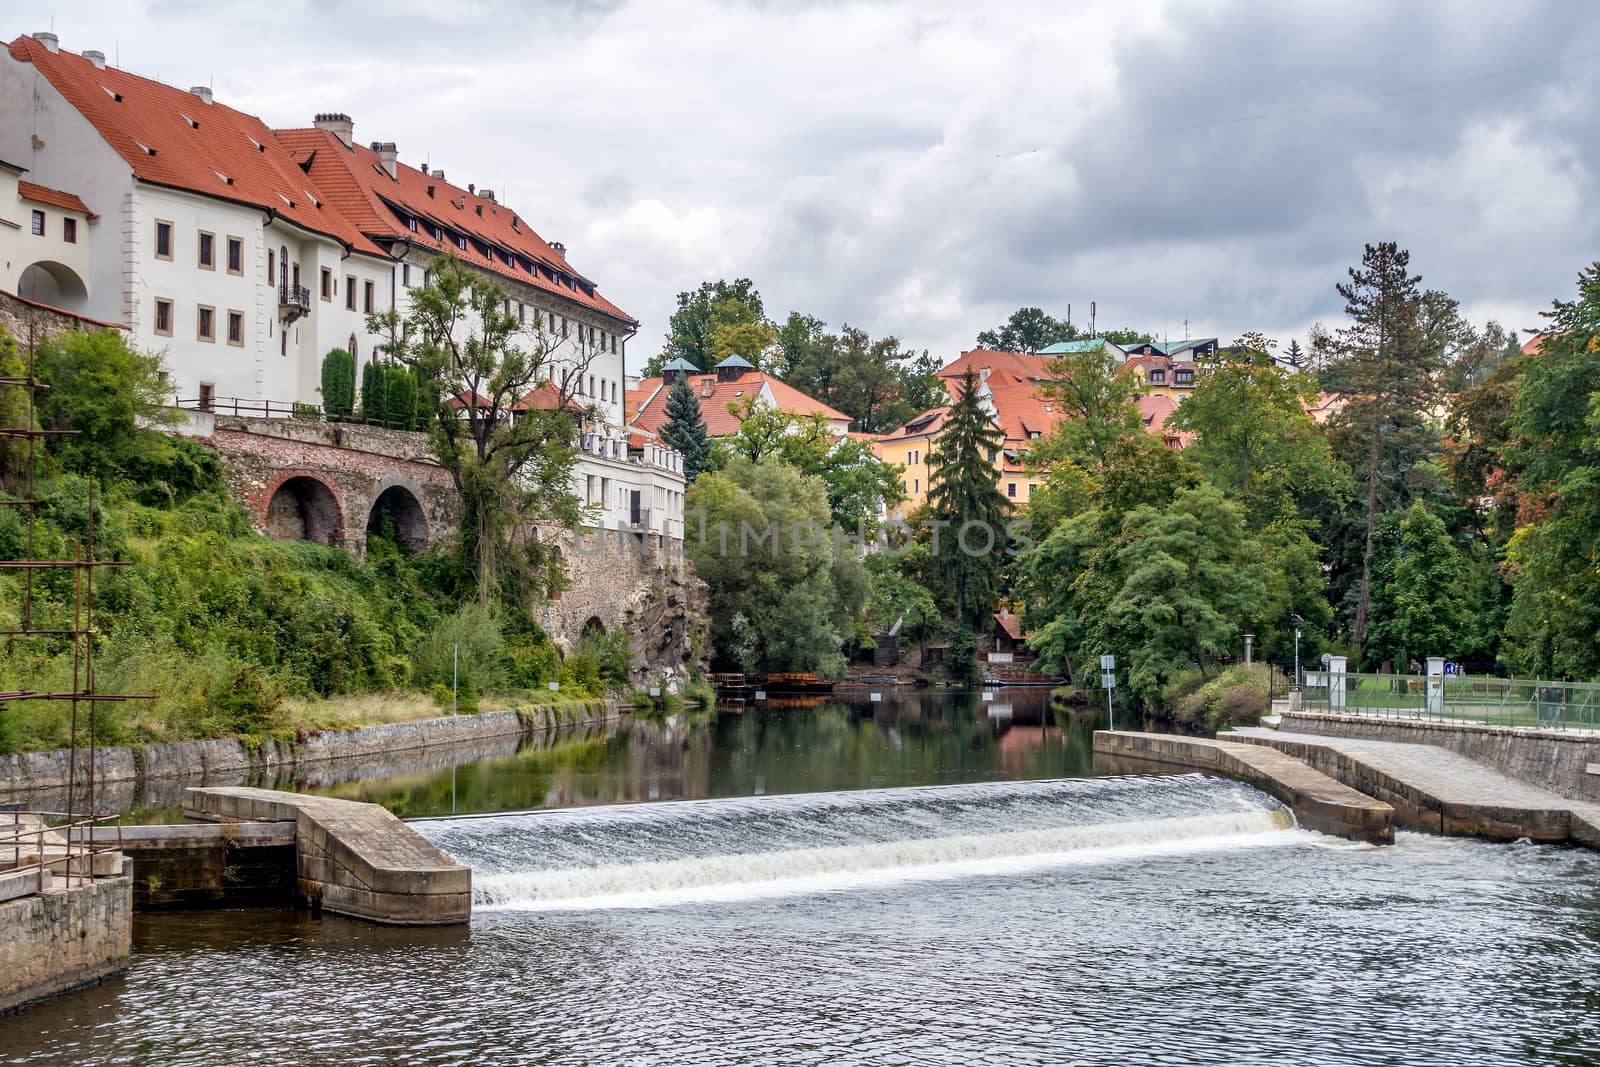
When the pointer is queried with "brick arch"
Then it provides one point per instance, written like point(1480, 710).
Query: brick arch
point(303, 506)
point(399, 499)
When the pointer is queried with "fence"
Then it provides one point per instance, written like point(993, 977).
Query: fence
point(246, 407)
point(1455, 698)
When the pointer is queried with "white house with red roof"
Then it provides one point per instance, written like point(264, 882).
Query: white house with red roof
point(722, 394)
point(246, 254)
point(44, 240)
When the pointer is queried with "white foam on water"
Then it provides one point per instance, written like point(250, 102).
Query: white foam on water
point(801, 871)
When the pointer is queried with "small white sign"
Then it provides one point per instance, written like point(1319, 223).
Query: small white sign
point(554, 686)
point(1108, 681)
point(1108, 663)
point(876, 697)
point(655, 690)
point(988, 696)
point(761, 694)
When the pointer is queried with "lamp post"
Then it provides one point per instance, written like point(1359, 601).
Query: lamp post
point(1297, 621)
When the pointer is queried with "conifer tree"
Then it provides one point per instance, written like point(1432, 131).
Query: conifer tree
point(964, 494)
point(686, 429)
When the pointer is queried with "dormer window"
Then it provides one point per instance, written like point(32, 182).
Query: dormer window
point(193, 125)
point(113, 94)
point(146, 149)
point(1184, 377)
point(1158, 376)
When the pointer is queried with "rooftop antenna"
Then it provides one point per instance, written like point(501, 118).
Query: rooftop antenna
point(1069, 318)
point(1185, 329)
point(1092, 331)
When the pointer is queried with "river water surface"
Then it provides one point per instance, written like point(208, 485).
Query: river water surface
point(945, 908)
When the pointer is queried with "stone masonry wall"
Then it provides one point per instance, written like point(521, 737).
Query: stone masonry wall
point(23, 318)
point(64, 938)
point(647, 589)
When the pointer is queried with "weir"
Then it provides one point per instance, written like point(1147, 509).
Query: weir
point(740, 848)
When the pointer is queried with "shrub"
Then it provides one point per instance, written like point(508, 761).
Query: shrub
point(338, 383)
point(481, 666)
point(1238, 696)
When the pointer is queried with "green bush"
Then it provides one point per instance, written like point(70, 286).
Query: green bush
point(338, 383)
point(466, 647)
point(1239, 696)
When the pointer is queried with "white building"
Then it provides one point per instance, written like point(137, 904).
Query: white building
point(247, 254)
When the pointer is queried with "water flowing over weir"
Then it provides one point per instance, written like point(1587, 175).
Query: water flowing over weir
point(659, 854)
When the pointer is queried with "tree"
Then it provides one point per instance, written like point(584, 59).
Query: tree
point(474, 362)
point(964, 492)
point(686, 429)
point(879, 384)
point(103, 390)
point(782, 597)
point(716, 310)
point(1028, 329)
point(1295, 356)
point(338, 383)
point(1388, 360)
point(1099, 402)
point(1429, 594)
point(1253, 438)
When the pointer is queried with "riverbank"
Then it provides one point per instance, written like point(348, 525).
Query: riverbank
point(41, 778)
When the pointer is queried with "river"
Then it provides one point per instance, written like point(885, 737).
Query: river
point(859, 885)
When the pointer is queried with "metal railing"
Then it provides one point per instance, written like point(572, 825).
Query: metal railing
point(53, 845)
point(1456, 698)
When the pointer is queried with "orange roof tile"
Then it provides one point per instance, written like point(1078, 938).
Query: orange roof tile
point(651, 412)
point(43, 194)
point(172, 137)
point(928, 423)
point(358, 184)
point(545, 397)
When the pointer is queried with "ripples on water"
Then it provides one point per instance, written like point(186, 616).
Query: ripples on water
point(1255, 946)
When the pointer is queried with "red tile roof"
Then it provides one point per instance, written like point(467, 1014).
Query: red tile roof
point(1532, 345)
point(1011, 624)
point(43, 194)
point(171, 137)
point(927, 424)
point(650, 411)
point(545, 397)
point(358, 184)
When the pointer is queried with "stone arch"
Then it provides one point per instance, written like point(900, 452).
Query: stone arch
point(305, 508)
point(592, 627)
point(53, 283)
point(400, 506)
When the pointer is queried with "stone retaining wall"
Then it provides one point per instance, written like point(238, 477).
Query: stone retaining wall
point(36, 773)
point(1557, 760)
point(64, 938)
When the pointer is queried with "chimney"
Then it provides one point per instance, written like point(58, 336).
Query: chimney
point(559, 249)
point(389, 156)
point(438, 175)
point(707, 387)
point(339, 124)
point(202, 91)
point(487, 194)
point(95, 57)
point(471, 188)
point(669, 375)
point(51, 42)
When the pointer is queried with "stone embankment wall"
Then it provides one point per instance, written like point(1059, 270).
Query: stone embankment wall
point(40, 773)
point(64, 938)
point(1565, 762)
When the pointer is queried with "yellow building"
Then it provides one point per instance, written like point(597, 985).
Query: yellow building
point(908, 448)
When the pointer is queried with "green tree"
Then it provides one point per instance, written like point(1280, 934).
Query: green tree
point(338, 383)
point(1028, 329)
point(964, 492)
point(878, 383)
point(103, 390)
point(783, 597)
point(714, 310)
point(1429, 594)
point(1099, 402)
point(1388, 360)
point(1296, 357)
point(511, 474)
point(686, 429)
point(1253, 438)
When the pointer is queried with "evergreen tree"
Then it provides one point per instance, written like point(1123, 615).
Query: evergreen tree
point(1430, 585)
point(1296, 356)
point(1388, 359)
point(338, 382)
point(964, 488)
point(686, 429)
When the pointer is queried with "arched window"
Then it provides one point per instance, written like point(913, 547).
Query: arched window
point(354, 355)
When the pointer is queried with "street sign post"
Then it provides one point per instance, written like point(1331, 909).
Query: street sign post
point(1108, 682)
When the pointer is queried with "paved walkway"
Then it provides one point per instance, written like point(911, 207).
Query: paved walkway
point(1437, 790)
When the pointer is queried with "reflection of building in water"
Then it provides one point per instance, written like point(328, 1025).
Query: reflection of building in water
point(668, 760)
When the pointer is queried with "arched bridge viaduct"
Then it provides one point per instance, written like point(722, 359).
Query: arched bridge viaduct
point(333, 483)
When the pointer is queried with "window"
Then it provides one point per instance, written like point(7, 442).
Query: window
point(235, 255)
point(916, 485)
point(206, 323)
point(208, 396)
point(69, 231)
point(38, 223)
point(283, 343)
point(1184, 377)
point(208, 251)
point(349, 292)
point(163, 317)
point(591, 385)
point(272, 267)
point(163, 240)
point(405, 275)
point(522, 312)
point(613, 344)
point(236, 328)
point(1157, 377)
point(369, 298)
point(911, 457)
point(327, 284)
point(297, 275)
point(1011, 489)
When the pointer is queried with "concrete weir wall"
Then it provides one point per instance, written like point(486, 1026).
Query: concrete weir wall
point(66, 937)
point(1318, 802)
point(1565, 762)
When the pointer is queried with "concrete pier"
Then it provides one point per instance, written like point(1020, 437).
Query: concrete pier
point(351, 858)
point(1436, 790)
point(1318, 801)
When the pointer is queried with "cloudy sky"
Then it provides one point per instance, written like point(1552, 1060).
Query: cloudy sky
point(923, 168)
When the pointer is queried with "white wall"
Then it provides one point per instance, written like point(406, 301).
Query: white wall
point(20, 247)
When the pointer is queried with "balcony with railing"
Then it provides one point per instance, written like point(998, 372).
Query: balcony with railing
point(294, 301)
